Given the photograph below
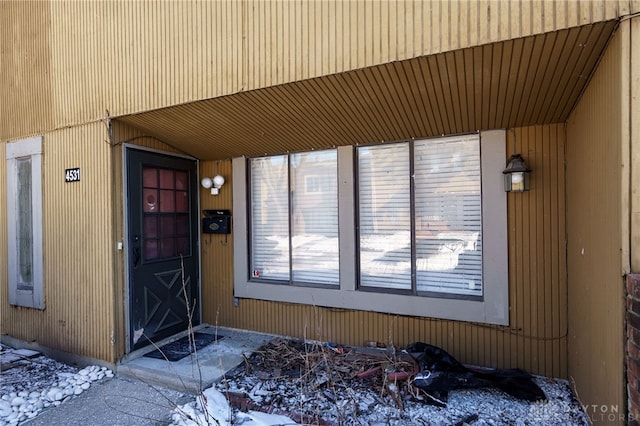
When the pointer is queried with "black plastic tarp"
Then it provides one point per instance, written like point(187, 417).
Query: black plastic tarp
point(441, 373)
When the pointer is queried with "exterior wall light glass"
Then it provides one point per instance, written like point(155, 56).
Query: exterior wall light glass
point(516, 174)
point(214, 183)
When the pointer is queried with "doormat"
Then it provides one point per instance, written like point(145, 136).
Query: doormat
point(179, 349)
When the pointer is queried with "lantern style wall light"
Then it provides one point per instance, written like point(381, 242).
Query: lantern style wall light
point(214, 183)
point(516, 174)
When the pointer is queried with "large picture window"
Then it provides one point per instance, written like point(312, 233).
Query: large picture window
point(294, 225)
point(24, 193)
point(430, 243)
point(414, 228)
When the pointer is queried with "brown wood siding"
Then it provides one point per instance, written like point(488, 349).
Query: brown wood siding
point(501, 85)
point(87, 60)
point(596, 303)
point(78, 249)
point(536, 337)
point(25, 68)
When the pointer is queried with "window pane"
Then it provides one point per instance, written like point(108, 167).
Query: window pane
point(150, 226)
point(167, 201)
point(385, 221)
point(167, 247)
point(25, 230)
point(269, 218)
point(448, 216)
point(182, 201)
point(182, 245)
point(150, 177)
point(151, 249)
point(182, 180)
point(168, 226)
point(166, 179)
point(182, 225)
point(150, 203)
point(314, 215)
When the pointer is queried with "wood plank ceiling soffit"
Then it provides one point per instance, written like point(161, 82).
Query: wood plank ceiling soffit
point(521, 82)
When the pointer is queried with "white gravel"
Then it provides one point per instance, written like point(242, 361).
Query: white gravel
point(341, 399)
point(33, 382)
point(37, 383)
point(465, 407)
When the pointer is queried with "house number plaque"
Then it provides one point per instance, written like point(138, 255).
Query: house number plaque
point(72, 175)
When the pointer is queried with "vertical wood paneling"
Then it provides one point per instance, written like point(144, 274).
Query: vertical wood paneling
point(78, 249)
point(149, 55)
point(536, 338)
point(25, 65)
point(596, 303)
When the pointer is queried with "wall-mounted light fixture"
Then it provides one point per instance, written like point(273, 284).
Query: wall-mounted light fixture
point(214, 183)
point(516, 174)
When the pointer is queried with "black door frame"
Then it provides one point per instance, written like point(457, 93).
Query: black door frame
point(126, 149)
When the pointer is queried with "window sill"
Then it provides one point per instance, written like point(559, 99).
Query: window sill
point(443, 308)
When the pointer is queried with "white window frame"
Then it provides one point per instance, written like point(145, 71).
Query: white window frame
point(25, 148)
point(492, 309)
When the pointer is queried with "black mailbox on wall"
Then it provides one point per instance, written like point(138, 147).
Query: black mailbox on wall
point(216, 222)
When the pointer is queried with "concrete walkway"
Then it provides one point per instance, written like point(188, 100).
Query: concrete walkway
point(146, 390)
point(194, 373)
point(119, 401)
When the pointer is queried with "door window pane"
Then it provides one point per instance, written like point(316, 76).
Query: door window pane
point(168, 247)
point(182, 180)
point(314, 218)
point(151, 249)
point(165, 213)
point(182, 201)
point(150, 201)
point(167, 179)
point(150, 229)
point(182, 224)
point(384, 216)
point(167, 201)
point(182, 245)
point(150, 177)
point(168, 226)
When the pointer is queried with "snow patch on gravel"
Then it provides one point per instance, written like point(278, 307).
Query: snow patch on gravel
point(368, 407)
point(32, 384)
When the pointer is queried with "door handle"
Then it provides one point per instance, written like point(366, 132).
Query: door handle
point(136, 256)
point(136, 251)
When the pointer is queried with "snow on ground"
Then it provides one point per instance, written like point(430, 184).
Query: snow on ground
point(316, 387)
point(212, 408)
point(31, 382)
point(465, 407)
point(291, 389)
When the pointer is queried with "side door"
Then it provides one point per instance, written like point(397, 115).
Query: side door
point(163, 256)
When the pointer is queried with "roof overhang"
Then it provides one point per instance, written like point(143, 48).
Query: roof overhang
point(514, 83)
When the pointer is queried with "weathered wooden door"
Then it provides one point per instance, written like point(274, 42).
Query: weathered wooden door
point(163, 258)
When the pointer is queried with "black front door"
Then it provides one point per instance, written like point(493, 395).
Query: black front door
point(162, 251)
